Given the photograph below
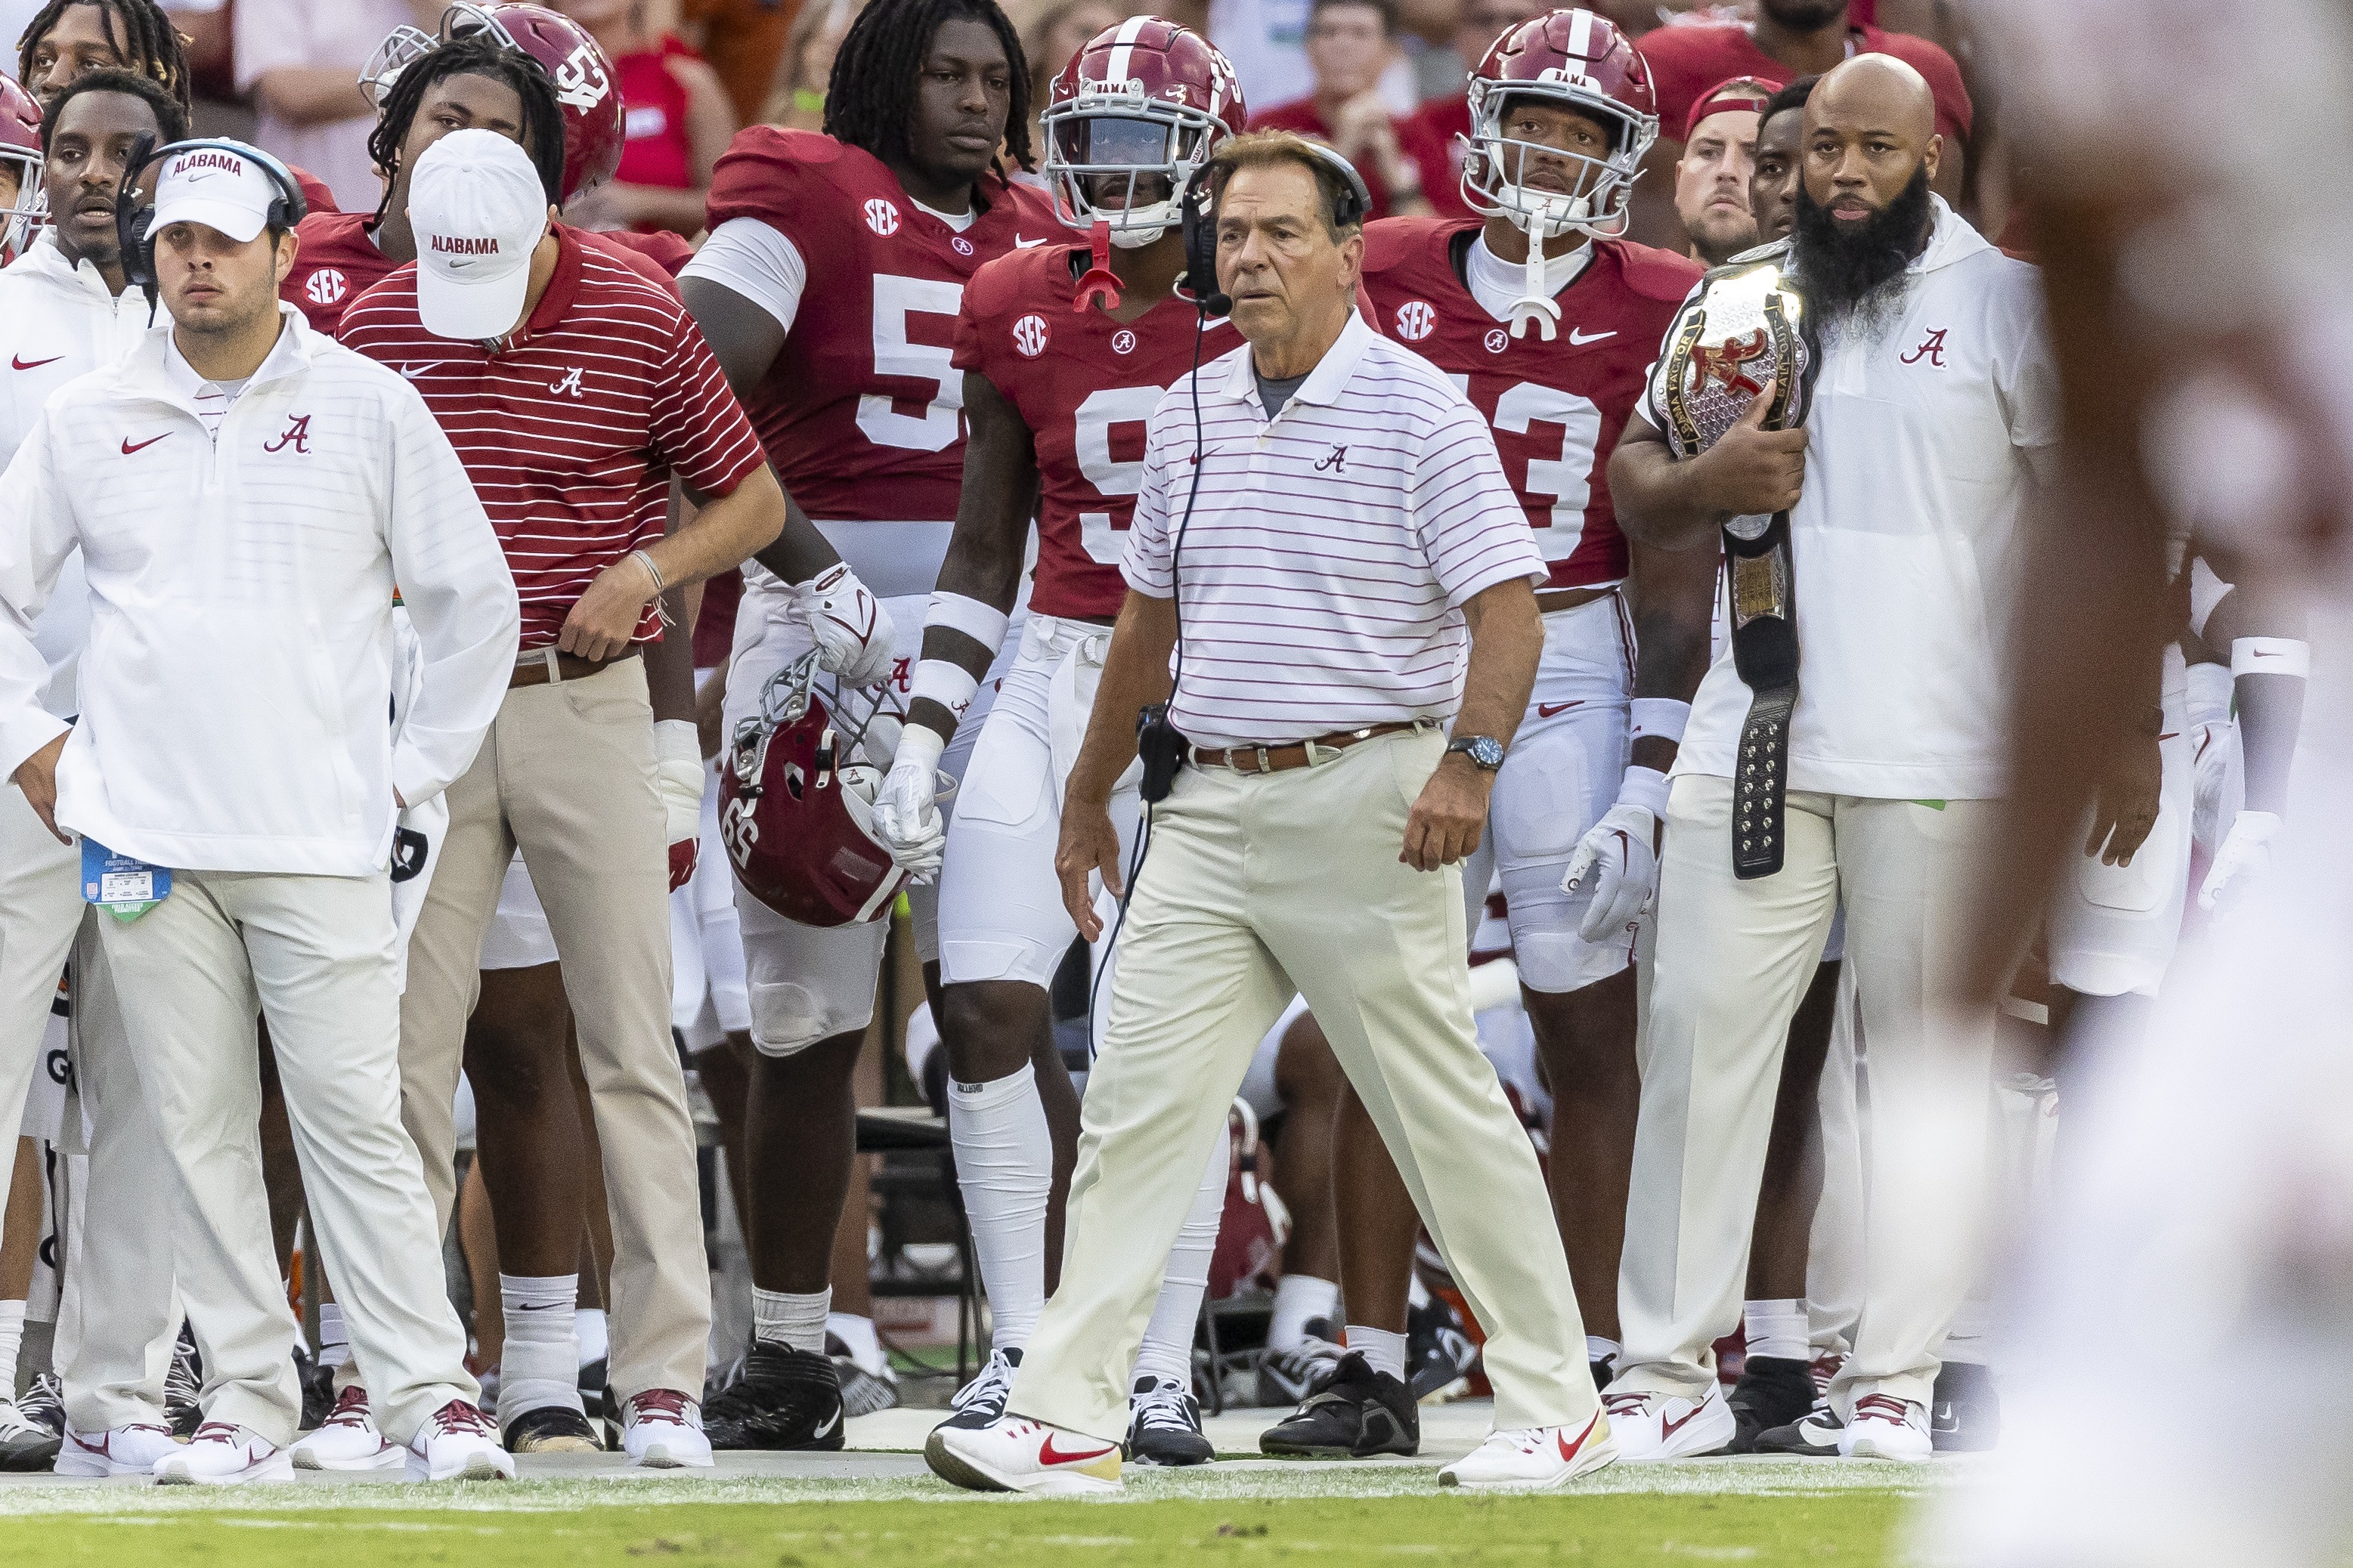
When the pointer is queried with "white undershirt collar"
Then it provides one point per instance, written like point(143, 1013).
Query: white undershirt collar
point(1495, 283)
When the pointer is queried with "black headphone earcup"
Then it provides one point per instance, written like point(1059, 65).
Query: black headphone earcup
point(1201, 252)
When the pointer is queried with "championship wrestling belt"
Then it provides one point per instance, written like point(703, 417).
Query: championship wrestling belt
point(1742, 331)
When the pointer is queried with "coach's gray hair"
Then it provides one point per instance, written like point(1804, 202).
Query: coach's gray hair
point(1263, 149)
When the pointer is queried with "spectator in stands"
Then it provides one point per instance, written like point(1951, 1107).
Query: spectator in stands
point(1444, 122)
point(744, 40)
point(1711, 176)
point(796, 99)
point(1049, 39)
point(679, 115)
point(301, 60)
point(1350, 43)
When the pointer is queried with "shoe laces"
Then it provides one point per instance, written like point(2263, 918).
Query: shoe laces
point(659, 1405)
point(1883, 1408)
point(216, 1432)
point(1625, 1403)
point(1164, 1405)
point(995, 1382)
point(1519, 1439)
point(350, 1408)
point(459, 1417)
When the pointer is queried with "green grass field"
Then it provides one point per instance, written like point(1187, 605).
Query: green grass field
point(1840, 1529)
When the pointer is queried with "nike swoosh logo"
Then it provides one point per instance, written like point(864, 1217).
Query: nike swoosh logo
point(1568, 1450)
point(540, 1306)
point(1669, 1428)
point(1049, 1455)
point(830, 1423)
point(1021, 244)
point(1546, 709)
point(1579, 339)
point(127, 448)
point(420, 371)
point(17, 362)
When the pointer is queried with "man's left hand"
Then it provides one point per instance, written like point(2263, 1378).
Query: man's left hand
point(605, 618)
point(1450, 814)
point(2128, 801)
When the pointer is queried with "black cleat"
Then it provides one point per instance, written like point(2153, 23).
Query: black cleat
point(551, 1430)
point(1815, 1437)
point(862, 1391)
point(1773, 1391)
point(22, 1446)
point(1164, 1425)
point(1358, 1413)
point(1964, 1412)
point(44, 1404)
point(786, 1398)
point(1439, 1356)
point(981, 1402)
point(1286, 1377)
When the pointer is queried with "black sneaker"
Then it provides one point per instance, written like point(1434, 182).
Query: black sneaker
point(1773, 1391)
point(182, 1386)
point(1288, 1376)
point(1439, 1356)
point(1164, 1425)
point(981, 1402)
point(1356, 1413)
point(863, 1392)
point(591, 1390)
point(551, 1430)
point(1603, 1371)
point(1964, 1412)
point(44, 1404)
point(786, 1398)
point(1814, 1437)
point(22, 1446)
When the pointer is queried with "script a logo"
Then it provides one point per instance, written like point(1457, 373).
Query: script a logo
point(297, 436)
point(1031, 336)
point(580, 81)
point(1932, 349)
point(882, 216)
point(1416, 321)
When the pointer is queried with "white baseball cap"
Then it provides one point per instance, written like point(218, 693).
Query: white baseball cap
point(221, 186)
point(477, 210)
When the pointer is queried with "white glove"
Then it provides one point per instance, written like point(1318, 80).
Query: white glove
point(1621, 856)
point(2244, 857)
point(906, 813)
point(678, 774)
point(853, 631)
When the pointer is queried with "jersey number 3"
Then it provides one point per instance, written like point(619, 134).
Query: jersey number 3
point(937, 426)
point(1568, 479)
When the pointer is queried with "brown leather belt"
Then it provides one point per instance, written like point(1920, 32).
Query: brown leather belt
point(1296, 754)
point(531, 669)
point(1551, 599)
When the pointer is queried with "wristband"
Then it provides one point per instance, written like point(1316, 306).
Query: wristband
point(920, 746)
point(945, 682)
point(652, 571)
point(983, 624)
point(1659, 719)
point(1645, 787)
point(2271, 656)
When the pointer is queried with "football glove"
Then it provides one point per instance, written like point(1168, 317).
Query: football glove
point(2244, 857)
point(680, 774)
point(853, 631)
point(906, 813)
point(1620, 857)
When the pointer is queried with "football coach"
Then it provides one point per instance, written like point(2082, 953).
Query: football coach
point(1317, 560)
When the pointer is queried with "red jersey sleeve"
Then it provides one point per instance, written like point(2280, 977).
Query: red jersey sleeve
point(763, 175)
point(697, 424)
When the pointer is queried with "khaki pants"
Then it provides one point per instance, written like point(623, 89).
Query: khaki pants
point(1734, 959)
point(1256, 886)
point(566, 774)
point(314, 955)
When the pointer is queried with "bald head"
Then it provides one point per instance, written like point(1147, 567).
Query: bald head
point(1870, 126)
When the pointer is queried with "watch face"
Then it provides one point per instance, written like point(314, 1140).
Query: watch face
point(1484, 750)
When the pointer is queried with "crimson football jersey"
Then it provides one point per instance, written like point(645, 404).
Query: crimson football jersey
point(337, 261)
point(1686, 61)
point(862, 412)
point(1084, 384)
point(1555, 407)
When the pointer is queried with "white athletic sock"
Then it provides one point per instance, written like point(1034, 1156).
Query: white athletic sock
point(857, 1333)
point(1599, 1349)
point(335, 1339)
point(1297, 1299)
point(1167, 1348)
point(1382, 1351)
point(541, 1365)
point(596, 1337)
point(781, 1317)
point(1417, 1294)
point(1005, 1163)
point(1775, 1329)
point(12, 1337)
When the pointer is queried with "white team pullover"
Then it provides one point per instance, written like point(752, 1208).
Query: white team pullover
point(57, 322)
point(237, 689)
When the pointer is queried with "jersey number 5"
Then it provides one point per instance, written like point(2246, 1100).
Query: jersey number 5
point(941, 422)
point(1568, 479)
point(1101, 411)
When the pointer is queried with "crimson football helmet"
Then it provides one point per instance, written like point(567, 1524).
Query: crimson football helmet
point(20, 148)
point(797, 813)
point(586, 88)
point(1579, 61)
point(1130, 121)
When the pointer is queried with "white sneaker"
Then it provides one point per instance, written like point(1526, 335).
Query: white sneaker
point(347, 1439)
point(457, 1442)
point(1532, 1458)
point(117, 1452)
point(663, 1430)
point(1886, 1427)
point(223, 1455)
point(1651, 1427)
point(1018, 1455)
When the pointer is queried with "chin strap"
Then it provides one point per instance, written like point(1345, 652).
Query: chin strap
point(1536, 308)
point(1100, 285)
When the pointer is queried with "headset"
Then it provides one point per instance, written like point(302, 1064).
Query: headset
point(1199, 217)
point(133, 215)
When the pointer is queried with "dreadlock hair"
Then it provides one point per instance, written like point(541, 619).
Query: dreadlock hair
point(473, 53)
point(171, 119)
point(141, 33)
point(871, 100)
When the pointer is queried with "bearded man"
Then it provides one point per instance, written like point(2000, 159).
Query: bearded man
point(1934, 405)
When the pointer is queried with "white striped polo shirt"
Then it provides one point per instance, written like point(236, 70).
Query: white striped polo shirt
point(1330, 549)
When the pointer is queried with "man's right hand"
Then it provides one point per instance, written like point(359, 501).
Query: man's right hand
point(1752, 471)
point(1089, 844)
point(36, 775)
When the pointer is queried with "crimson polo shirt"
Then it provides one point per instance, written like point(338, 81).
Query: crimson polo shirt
point(572, 428)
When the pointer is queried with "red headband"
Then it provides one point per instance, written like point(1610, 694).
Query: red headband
point(1741, 93)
